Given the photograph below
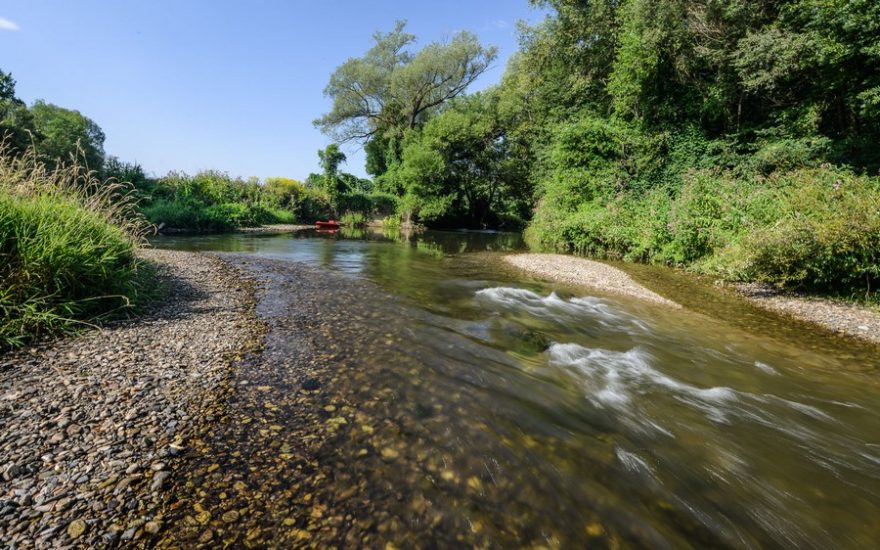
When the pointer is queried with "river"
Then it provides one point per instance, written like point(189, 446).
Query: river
point(415, 391)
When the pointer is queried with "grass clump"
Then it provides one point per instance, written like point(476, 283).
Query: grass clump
point(67, 242)
point(391, 223)
point(354, 219)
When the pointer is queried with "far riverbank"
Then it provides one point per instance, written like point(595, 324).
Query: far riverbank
point(837, 317)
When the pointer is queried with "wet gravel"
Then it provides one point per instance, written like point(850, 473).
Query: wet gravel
point(344, 432)
point(853, 320)
point(583, 272)
point(95, 427)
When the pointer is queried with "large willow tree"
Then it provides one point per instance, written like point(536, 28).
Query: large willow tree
point(392, 88)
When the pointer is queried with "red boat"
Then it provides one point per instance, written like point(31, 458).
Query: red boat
point(332, 224)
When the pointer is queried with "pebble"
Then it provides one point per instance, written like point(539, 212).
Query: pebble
point(389, 454)
point(84, 416)
point(76, 528)
point(311, 384)
point(159, 480)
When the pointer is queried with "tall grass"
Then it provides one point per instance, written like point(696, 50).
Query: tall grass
point(67, 244)
point(354, 219)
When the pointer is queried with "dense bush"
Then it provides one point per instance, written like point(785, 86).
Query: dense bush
point(67, 242)
point(214, 201)
point(372, 205)
point(814, 228)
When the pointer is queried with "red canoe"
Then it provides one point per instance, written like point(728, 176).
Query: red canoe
point(332, 224)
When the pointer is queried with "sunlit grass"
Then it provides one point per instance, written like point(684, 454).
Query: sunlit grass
point(67, 242)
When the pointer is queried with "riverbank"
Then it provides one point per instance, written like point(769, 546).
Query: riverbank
point(271, 228)
point(583, 272)
point(94, 425)
point(853, 320)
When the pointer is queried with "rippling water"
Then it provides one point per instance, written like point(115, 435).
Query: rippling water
point(503, 410)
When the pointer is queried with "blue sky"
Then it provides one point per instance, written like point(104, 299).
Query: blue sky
point(219, 84)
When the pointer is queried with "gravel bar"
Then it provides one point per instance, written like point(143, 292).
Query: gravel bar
point(583, 272)
point(854, 320)
point(95, 426)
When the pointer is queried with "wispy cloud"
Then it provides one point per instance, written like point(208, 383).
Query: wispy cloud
point(8, 25)
point(497, 25)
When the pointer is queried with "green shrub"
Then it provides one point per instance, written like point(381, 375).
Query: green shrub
point(315, 206)
point(815, 229)
point(384, 204)
point(170, 213)
point(213, 201)
point(354, 202)
point(391, 224)
point(67, 243)
point(825, 236)
point(354, 219)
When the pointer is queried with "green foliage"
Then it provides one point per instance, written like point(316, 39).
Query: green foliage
point(462, 168)
point(355, 202)
point(391, 224)
point(733, 138)
point(68, 242)
point(391, 89)
point(126, 172)
point(825, 234)
point(65, 134)
point(214, 201)
point(816, 229)
point(331, 158)
point(354, 219)
point(384, 204)
point(16, 121)
point(286, 193)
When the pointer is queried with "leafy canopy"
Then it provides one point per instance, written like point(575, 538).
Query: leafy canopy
point(391, 88)
point(67, 134)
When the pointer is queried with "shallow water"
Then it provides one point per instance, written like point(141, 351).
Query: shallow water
point(481, 407)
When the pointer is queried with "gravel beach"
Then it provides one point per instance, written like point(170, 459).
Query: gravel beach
point(583, 272)
point(93, 426)
point(850, 320)
point(853, 320)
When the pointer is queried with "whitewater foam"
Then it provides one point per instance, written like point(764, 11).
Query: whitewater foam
point(610, 376)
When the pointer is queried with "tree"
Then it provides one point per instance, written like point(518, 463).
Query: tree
point(463, 167)
point(391, 89)
point(65, 134)
point(289, 193)
point(127, 172)
point(16, 122)
point(331, 158)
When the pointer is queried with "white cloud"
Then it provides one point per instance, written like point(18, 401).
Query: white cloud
point(497, 25)
point(7, 25)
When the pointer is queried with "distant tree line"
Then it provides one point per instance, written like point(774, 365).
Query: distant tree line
point(207, 201)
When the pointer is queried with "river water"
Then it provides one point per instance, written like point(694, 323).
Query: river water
point(464, 404)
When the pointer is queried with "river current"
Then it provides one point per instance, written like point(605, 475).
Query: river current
point(469, 405)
